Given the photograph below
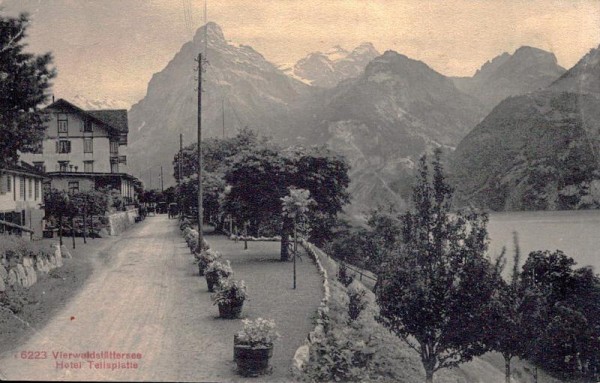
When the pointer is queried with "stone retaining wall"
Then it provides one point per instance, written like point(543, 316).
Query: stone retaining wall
point(121, 221)
point(24, 272)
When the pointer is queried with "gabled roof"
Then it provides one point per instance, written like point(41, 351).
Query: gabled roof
point(116, 120)
point(115, 117)
point(22, 167)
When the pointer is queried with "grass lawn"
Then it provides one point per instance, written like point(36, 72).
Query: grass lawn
point(271, 296)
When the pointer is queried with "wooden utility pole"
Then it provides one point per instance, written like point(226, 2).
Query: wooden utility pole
point(162, 185)
point(223, 115)
point(200, 211)
point(180, 176)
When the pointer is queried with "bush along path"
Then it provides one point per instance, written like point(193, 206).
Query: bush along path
point(268, 294)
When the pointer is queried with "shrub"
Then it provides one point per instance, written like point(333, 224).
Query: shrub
point(260, 332)
point(229, 291)
point(221, 269)
point(13, 299)
point(357, 302)
point(342, 275)
point(207, 256)
point(342, 350)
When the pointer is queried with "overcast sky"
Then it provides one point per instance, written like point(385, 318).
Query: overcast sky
point(111, 48)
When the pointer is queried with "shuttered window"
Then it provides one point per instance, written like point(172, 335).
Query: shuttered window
point(88, 145)
point(63, 146)
point(22, 188)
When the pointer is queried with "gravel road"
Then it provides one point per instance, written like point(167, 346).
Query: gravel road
point(144, 300)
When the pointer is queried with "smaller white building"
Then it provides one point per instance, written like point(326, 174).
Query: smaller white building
point(21, 199)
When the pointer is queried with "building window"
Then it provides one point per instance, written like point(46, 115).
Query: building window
point(87, 126)
point(63, 166)
point(88, 145)
point(114, 147)
point(63, 125)
point(30, 188)
point(63, 146)
point(73, 187)
point(8, 183)
point(39, 166)
point(37, 189)
point(114, 167)
point(22, 188)
point(88, 166)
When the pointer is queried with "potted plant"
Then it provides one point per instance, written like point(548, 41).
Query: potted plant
point(253, 346)
point(205, 258)
point(230, 298)
point(215, 271)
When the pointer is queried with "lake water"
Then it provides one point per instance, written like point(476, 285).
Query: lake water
point(576, 233)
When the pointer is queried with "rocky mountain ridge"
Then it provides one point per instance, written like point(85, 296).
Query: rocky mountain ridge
point(528, 69)
point(327, 69)
point(539, 151)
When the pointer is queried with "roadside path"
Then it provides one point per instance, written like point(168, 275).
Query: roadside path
point(145, 297)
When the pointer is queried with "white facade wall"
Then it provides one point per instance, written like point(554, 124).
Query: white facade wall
point(75, 123)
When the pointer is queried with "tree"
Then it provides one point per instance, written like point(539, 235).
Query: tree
point(295, 207)
point(435, 292)
point(24, 80)
point(566, 339)
point(57, 204)
point(260, 177)
point(516, 307)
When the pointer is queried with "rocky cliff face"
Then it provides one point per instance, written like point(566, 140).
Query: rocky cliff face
point(534, 152)
point(538, 151)
point(527, 70)
point(237, 82)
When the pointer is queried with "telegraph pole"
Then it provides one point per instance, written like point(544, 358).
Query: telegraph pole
point(223, 115)
point(180, 177)
point(162, 187)
point(200, 210)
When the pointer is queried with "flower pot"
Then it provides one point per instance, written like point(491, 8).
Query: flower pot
point(252, 360)
point(230, 310)
point(211, 280)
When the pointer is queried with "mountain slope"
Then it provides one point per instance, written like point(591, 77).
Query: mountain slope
point(328, 69)
point(528, 69)
point(237, 81)
point(534, 152)
point(583, 77)
point(385, 119)
point(539, 151)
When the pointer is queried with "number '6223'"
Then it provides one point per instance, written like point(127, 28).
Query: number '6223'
point(34, 355)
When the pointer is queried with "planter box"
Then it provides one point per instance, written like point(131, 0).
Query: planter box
point(252, 361)
point(230, 311)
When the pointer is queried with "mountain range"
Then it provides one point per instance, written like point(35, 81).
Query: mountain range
point(327, 69)
point(527, 69)
point(538, 151)
point(380, 111)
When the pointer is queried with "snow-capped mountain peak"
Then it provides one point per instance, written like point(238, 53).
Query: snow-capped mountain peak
point(336, 64)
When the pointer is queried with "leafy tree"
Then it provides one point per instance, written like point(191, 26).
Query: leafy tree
point(260, 177)
point(58, 205)
point(518, 310)
point(567, 341)
point(213, 187)
point(24, 80)
point(217, 154)
point(435, 292)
